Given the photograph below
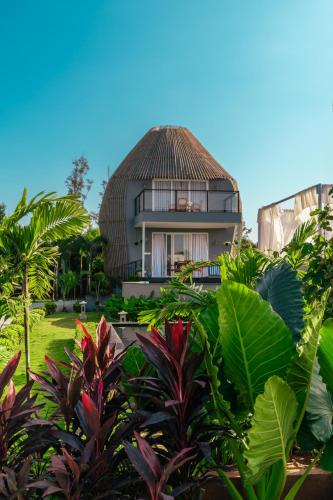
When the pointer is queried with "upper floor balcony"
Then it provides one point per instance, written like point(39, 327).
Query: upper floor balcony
point(179, 208)
point(187, 201)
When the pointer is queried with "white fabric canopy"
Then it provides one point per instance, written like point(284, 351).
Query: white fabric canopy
point(305, 203)
point(276, 226)
point(271, 237)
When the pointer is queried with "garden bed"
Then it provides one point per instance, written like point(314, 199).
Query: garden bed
point(318, 485)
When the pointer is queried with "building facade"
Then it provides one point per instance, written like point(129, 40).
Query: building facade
point(168, 203)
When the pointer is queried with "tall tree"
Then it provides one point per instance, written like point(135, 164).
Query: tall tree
point(2, 211)
point(28, 245)
point(77, 182)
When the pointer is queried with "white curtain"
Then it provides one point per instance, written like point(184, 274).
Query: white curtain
point(181, 194)
point(327, 198)
point(199, 251)
point(271, 235)
point(277, 226)
point(289, 225)
point(305, 203)
point(199, 196)
point(159, 261)
point(162, 196)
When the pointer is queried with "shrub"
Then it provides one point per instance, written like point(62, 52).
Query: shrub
point(12, 335)
point(50, 308)
point(77, 307)
point(114, 305)
point(133, 305)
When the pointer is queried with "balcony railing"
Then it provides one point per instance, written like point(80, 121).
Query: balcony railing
point(180, 200)
point(133, 272)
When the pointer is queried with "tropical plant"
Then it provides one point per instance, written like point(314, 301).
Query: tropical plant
point(156, 476)
point(20, 434)
point(311, 253)
point(174, 397)
point(67, 283)
point(87, 397)
point(27, 245)
point(99, 284)
point(270, 363)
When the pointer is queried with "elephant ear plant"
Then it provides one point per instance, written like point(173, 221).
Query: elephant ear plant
point(269, 357)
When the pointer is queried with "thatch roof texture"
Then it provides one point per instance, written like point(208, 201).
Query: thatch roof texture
point(170, 153)
point(166, 152)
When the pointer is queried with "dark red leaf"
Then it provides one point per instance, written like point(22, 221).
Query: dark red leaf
point(149, 455)
point(9, 371)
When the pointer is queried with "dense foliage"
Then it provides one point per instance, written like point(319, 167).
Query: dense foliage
point(135, 306)
point(311, 253)
point(245, 377)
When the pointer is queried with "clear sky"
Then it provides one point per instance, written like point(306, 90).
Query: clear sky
point(253, 80)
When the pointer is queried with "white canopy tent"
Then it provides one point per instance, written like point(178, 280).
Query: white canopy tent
point(277, 225)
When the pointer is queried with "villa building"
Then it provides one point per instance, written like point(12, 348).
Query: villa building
point(168, 203)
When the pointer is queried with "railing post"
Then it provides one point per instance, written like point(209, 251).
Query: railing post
point(207, 200)
point(176, 201)
point(143, 248)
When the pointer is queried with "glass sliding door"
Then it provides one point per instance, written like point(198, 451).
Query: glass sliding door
point(170, 251)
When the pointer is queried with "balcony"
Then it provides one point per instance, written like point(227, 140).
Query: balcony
point(175, 208)
point(193, 201)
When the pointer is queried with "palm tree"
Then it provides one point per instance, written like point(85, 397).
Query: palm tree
point(27, 245)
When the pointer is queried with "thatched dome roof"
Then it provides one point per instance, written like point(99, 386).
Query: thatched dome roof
point(170, 153)
point(163, 153)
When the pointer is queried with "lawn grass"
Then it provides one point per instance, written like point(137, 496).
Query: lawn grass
point(50, 336)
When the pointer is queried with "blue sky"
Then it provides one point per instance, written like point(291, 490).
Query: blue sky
point(252, 80)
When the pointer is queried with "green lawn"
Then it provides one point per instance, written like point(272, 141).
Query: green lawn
point(50, 336)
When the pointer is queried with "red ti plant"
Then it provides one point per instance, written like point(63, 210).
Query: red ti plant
point(148, 466)
point(87, 394)
point(16, 411)
point(97, 374)
point(20, 433)
point(178, 392)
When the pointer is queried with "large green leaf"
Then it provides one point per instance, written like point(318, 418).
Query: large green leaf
point(320, 408)
point(325, 353)
point(300, 373)
point(326, 460)
point(272, 427)
point(256, 343)
point(282, 288)
point(209, 318)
